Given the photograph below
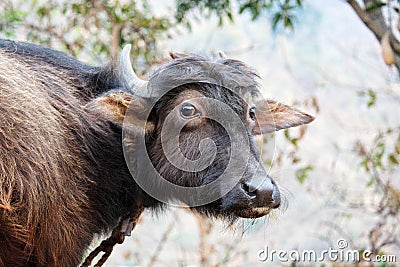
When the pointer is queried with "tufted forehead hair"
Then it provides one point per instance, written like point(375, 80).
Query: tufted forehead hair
point(192, 68)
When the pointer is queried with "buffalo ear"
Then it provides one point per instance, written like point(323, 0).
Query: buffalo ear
point(272, 116)
point(176, 55)
point(115, 104)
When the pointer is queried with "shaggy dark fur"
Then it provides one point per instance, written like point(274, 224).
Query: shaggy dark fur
point(63, 175)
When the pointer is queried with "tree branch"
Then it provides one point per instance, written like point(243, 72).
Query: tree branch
point(375, 21)
point(161, 244)
point(204, 231)
point(115, 41)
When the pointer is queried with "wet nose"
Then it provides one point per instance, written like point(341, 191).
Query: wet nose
point(264, 193)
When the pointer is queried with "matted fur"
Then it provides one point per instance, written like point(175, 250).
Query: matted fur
point(62, 172)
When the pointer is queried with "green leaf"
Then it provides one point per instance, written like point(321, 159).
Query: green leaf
point(287, 22)
point(243, 8)
point(302, 173)
point(393, 159)
point(230, 16)
point(276, 19)
point(42, 11)
point(371, 181)
point(294, 141)
point(375, 6)
point(372, 98)
point(9, 33)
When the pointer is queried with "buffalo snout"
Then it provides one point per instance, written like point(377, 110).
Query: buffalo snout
point(264, 193)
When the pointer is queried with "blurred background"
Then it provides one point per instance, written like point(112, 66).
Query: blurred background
point(338, 60)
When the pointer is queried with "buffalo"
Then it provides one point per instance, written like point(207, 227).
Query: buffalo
point(72, 165)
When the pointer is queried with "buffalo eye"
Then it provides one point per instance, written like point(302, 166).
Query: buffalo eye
point(252, 113)
point(188, 111)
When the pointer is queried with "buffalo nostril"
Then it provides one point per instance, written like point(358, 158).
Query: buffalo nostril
point(276, 198)
point(249, 190)
point(265, 194)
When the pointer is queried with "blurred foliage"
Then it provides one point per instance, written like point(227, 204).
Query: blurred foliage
point(294, 136)
point(283, 12)
point(302, 173)
point(89, 29)
point(10, 17)
point(380, 161)
point(78, 27)
point(370, 95)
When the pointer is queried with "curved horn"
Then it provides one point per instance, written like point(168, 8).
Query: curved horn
point(129, 77)
point(222, 54)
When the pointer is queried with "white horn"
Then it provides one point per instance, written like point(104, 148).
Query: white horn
point(129, 77)
point(222, 54)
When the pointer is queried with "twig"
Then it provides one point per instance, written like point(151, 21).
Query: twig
point(160, 244)
point(204, 231)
